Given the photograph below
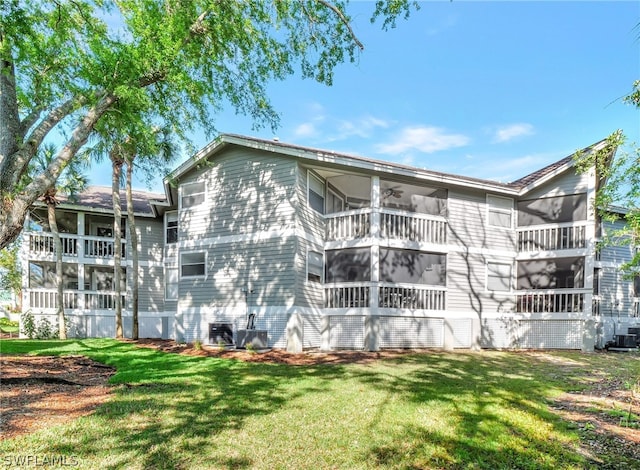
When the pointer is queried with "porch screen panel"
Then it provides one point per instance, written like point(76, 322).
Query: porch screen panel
point(408, 332)
point(552, 210)
point(311, 331)
point(552, 273)
point(550, 334)
point(412, 267)
point(346, 332)
point(408, 197)
point(350, 265)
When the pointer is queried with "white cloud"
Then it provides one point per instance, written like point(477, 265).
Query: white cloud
point(362, 127)
point(424, 139)
point(306, 129)
point(510, 132)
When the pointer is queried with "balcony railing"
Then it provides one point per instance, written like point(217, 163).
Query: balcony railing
point(348, 225)
point(47, 299)
point(550, 301)
point(402, 296)
point(555, 237)
point(397, 225)
point(347, 295)
point(42, 244)
point(413, 227)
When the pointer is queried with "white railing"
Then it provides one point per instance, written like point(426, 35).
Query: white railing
point(348, 225)
point(347, 295)
point(412, 297)
point(42, 243)
point(550, 301)
point(101, 300)
point(48, 299)
point(413, 227)
point(554, 237)
point(100, 247)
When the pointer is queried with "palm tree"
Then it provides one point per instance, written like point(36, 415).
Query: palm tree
point(163, 149)
point(117, 160)
point(71, 182)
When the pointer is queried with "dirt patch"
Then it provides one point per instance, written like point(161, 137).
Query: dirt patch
point(37, 392)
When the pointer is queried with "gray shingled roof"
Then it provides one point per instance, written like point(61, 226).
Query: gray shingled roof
point(100, 197)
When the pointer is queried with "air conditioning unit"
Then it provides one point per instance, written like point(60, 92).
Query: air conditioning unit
point(256, 338)
point(221, 333)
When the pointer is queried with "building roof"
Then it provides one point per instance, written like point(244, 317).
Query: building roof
point(100, 199)
point(517, 187)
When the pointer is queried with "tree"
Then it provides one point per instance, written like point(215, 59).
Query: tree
point(618, 189)
point(117, 160)
point(70, 182)
point(64, 69)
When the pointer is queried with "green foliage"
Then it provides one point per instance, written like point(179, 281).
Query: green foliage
point(11, 269)
point(42, 329)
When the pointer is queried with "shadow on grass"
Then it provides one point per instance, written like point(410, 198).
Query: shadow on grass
point(169, 408)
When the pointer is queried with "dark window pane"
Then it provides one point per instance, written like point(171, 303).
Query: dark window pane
point(350, 265)
point(412, 267)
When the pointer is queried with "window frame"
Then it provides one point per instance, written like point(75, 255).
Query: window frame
point(491, 208)
point(166, 283)
point(321, 274)
point(182, 189)
point(488, 271)
point(166, 227)
point(311, 175)
point(182, 264)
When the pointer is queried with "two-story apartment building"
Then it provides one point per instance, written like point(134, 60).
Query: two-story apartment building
point(326, 250)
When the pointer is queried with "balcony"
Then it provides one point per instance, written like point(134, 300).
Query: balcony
point(394, 224)
point(550, 301)
point(552, 237)
point(41, 244)
point(400, 296)
point(47, 299)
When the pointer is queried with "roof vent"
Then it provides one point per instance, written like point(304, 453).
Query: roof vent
point(276, 139)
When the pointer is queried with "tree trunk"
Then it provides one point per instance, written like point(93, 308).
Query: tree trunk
point(133, 237)
point(117, 241)
point(53, 224)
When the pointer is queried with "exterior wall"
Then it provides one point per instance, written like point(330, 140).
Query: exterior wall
point(246, 227)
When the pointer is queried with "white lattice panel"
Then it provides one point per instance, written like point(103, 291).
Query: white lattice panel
point(550, 334)
point(462, 334)
point(311, 331)
point(406, 332)
point(498, 333)
point(346, 332)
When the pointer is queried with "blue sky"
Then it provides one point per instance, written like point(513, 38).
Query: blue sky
point(492, 90)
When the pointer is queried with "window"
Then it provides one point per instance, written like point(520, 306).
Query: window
point(498, 277)
point(171, 227)
point(316, 193)
point(171, 283)
point(192, 194)
point(499, 210)
point(335, 203)
point(315, 268)
point(636, 286)
point(597, 277)
point(193, 265)
point(349, 265)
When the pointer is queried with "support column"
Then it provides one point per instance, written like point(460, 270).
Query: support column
point(371, 333)
point(295, 329)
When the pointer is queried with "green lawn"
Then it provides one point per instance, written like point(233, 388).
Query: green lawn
point(434, 410)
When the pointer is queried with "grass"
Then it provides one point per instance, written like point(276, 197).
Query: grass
point(435, 410)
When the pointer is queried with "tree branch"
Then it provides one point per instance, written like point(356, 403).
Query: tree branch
point(28, 122)
point(344, 21)
point(78, 138)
